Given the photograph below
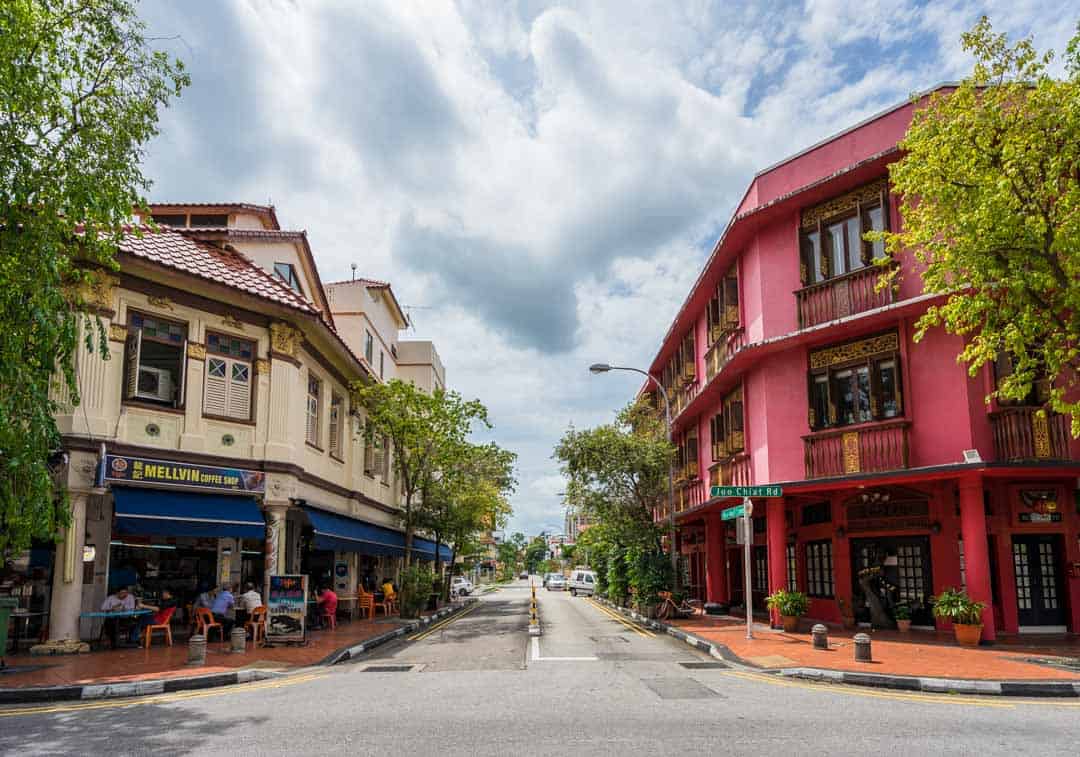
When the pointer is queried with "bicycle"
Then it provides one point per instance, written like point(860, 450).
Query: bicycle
point(669, 610)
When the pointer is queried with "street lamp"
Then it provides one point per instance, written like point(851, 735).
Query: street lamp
point(604, 368)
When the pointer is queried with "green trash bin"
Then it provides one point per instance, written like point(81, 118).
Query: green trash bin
point(7, 604)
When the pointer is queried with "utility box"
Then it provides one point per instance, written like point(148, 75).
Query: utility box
point(740, 531)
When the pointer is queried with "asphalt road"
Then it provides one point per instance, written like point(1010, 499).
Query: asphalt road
point(591, 685)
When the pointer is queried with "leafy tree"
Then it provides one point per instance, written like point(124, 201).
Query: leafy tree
point(424, 431)
point(80, 91)
point(567, 552)
point(990, 187)
point(535, 554)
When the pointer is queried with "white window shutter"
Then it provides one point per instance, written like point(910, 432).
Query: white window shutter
point(313, 420)
point(181, 394)
point(335, 428)
point(216, 391)
point(379, 459)
point(239, 376)
point(132, 352)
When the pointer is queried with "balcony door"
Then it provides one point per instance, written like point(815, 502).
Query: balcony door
point(1037, 567)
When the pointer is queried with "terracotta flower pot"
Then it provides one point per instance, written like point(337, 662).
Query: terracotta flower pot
point(967, 635)
point(791, 623)
point(903, 625)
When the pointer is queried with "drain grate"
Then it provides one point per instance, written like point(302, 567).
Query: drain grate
point(703, 665)
point(388, 668)
point(602, 639)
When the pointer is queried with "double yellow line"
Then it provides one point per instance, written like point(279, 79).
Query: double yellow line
point(178, 696)
point(441, 624)
point(638, 629)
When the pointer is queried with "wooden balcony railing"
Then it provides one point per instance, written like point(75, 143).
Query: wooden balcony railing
point(732, 471)
point(1021, 433)
point(722, 350)
point(841, 296)
point(858, 449)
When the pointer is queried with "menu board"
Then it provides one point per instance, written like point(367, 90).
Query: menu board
point(286, 608)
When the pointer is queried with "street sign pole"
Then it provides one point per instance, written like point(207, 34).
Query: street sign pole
point(748, 525)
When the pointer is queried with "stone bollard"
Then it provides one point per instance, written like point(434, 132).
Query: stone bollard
point(862, 648)
point(821, 636)
point(238, 640)
point(196, 650)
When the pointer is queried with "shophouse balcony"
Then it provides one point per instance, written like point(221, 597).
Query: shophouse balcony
point(722, 350)
point(869, 448)
point(1025, 433)
point(732, 471)
point(842, 296)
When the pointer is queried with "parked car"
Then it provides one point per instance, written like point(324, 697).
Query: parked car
point(460, 586)
point(582, 582)
point(524, 574)
point(556, 582)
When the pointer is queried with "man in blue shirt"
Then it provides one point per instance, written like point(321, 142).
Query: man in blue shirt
point(222, 609)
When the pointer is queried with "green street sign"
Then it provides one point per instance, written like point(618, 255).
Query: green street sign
point(732, 513)
point(747, 491)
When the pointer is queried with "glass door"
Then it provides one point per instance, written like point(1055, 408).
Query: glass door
point(1037, 567)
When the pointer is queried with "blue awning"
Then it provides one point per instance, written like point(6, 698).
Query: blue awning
point(156, 512)
point(345, 534)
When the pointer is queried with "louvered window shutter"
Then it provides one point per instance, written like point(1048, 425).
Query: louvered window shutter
point(216, 391)
point(369, 452)
point(313, 420)
point(132, 350)
point(239, 390)
point(181, 393)
point(335, 426)
point(379, 458)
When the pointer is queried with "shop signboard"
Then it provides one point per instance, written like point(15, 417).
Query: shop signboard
point(286, 608)
point(140, 470)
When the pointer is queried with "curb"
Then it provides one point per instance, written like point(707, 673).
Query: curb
point(873, 680)
point(355, 650)
point(38, 694)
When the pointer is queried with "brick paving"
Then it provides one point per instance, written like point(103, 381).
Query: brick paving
point(160, 661)
point(918, 653)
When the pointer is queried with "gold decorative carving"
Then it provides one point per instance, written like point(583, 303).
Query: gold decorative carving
point(285, 338)
point(196, 351)
point(850, 442)
point(262, 366)
point(1040, 434)
point(843, 353)
point(161, 302)
point(95, 291)
point(231, 321)
point(865, 194)
point(117, 332)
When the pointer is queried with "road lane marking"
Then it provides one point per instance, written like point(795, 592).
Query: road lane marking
point(639, 630)
point(537, 658)
point(441, 624)
point(178, 696)
point(855, 691)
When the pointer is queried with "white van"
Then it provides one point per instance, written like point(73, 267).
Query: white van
point(582, 582)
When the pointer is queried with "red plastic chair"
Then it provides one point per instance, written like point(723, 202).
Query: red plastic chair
point(161, 623)
point(206, 623)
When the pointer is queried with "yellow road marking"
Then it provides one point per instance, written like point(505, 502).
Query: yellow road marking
point(178, 696)
point(856, 691)
point(441, 624)
point(639, 630)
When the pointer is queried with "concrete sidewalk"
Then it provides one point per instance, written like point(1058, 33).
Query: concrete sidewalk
point(919, 661)
point(161, 669)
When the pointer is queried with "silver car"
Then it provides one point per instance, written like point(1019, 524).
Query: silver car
point(556, 582)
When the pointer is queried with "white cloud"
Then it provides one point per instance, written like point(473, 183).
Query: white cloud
point(546, 178)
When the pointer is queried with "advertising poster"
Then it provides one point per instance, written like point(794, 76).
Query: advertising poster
point(286, 608)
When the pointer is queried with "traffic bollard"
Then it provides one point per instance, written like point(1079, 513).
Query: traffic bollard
point(862, 648)
point(238, 640)
point(196, 650)
point(820, 635)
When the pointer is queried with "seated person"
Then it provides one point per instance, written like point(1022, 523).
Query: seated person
point(222, 609)
point(250, 599)
point(167, 601)
point(122, 601)
point(327, 602)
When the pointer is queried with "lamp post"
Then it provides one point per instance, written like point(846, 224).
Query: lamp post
point(604, 368)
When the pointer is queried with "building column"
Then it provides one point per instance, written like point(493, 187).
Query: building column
point(776, 532)
point(715, 559)
point(274, 546)
point(67, 583)
point(976, 554)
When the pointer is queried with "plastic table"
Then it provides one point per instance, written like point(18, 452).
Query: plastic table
point(116, 615)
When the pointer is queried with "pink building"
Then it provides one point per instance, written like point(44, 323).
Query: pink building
point(786, 366)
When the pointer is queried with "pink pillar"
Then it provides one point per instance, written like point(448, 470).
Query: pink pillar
point(976, 553)
point(776, 528)
point(715, 567)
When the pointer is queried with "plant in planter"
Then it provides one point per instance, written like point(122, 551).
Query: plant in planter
point(791, 605)
point(902, 613)
point(964, 612)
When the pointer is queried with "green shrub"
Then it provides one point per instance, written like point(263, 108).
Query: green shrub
point(957, 606)
point(617, 587)
point(417, 584)
point(648, 572)
point(902, 612)
point(790, 603)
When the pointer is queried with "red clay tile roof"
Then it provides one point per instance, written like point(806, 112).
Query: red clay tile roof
point(174, 250)
point(267, 210)
point(371, 283)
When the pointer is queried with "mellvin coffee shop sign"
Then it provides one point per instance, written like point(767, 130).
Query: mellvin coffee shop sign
point(138, 470)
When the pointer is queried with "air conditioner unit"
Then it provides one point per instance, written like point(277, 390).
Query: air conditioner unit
point(154, 384)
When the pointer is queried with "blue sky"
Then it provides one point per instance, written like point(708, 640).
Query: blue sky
point(544, 179)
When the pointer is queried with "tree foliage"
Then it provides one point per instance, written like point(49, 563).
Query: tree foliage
point(990, 187)
point(80, 91)
point(428, 436)
point(535, 554)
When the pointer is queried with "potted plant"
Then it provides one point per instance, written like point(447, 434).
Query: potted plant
point(790, 604)
point(902, 613)
point(964, 612)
